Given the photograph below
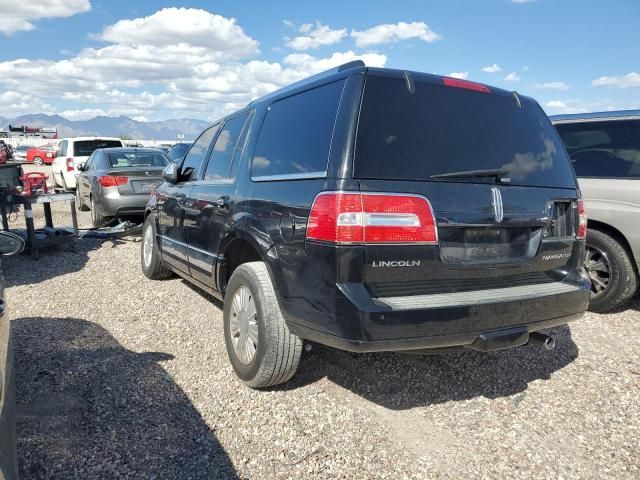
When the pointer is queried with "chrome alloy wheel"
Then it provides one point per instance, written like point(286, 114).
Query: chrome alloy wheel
point(599, 270)
point(244, 325)
point(147, 246)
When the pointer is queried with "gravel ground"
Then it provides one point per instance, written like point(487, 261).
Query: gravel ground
point(120, 376)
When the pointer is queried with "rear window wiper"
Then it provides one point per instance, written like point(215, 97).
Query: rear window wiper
point(497, 173)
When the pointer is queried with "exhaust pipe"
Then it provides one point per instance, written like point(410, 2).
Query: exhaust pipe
point(547, 342)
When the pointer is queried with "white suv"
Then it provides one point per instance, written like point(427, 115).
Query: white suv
point(73, 152)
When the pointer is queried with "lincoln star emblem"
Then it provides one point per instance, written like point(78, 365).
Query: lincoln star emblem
point(496, 202)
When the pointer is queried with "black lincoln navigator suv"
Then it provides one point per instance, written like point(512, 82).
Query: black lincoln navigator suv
point(375, 210)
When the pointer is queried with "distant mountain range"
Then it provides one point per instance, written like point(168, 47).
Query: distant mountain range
point(111, 126)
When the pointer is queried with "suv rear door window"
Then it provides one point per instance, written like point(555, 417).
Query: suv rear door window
point(84, 148)
point(296, 134)
point(225, 147)
point(439, 129)
point(607, 149)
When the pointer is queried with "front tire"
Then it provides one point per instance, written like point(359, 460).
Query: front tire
point(37, 161)
point(150, 261)
point(613, 277)
point(262, 350)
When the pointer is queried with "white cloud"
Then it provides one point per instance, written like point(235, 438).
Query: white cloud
point(19, 15)
point(316, 36)
point(82, 114)
point(512, 77)
point(552, 86)
point(391, 33)
point(174, 27)
point(495, 68)
point(462, 75)
point(288, 23)
point(185, 79)
point(630, 80)
point(311, 65)
point(581, 106)
point(15, 103)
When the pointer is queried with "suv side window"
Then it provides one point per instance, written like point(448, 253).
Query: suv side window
point(296, 134)
point(190, 169)
point(607, 149)
point(225, 148)
point(63, 148)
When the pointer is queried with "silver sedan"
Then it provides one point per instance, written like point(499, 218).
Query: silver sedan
point(116, 182)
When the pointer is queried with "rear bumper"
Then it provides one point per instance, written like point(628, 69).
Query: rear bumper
point(365, 324)
point(113, 204)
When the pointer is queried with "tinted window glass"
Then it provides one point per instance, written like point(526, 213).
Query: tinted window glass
point(178, 150)
point(137, 159)
point(603, 149)
point(296, 134)
point(84, 148)
point(224, 149)
point(193, 160)
point(89, 165)
point(440, 129)
point(63, 148)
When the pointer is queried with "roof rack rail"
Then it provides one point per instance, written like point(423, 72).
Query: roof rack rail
point(317, 76)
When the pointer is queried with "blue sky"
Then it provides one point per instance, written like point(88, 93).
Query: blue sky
point(190, 59)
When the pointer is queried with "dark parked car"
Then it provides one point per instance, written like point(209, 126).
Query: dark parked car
point(375, 210)
point(10, 244)
point(117, 181)
point(605, 151)
point(177, 151)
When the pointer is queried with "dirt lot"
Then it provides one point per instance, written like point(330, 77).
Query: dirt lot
point(120, 376)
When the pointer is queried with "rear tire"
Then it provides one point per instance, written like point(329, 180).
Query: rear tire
point(276, 355)
point(615, 287)
point(79, 203)
point(152, 265)
point(97, 219)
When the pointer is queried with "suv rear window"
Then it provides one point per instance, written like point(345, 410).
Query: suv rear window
point(440, 129)
point(84, 148)
point(609, 149)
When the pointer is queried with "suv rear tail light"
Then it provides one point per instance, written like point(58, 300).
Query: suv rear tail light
point(69, 164)
point(342, 217)
point(111, 181)
point(582, 220)
point(456, 82)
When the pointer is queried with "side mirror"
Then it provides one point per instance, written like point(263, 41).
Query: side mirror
point(81, 167)
point(170, 173)
point(10, 244)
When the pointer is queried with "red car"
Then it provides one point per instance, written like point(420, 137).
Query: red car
point(40, 155)
point(3, 157)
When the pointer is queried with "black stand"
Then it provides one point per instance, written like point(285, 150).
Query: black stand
point(49, 238)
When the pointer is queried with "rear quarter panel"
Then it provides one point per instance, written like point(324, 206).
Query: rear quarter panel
point(616, 203)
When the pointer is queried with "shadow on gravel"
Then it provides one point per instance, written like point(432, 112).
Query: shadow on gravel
point(401, 381)
point(53, 262)
point(89, 408)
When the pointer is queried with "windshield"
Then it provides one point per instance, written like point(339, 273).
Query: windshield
point(137, 159)
point(84, 148)
point(440, 129)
